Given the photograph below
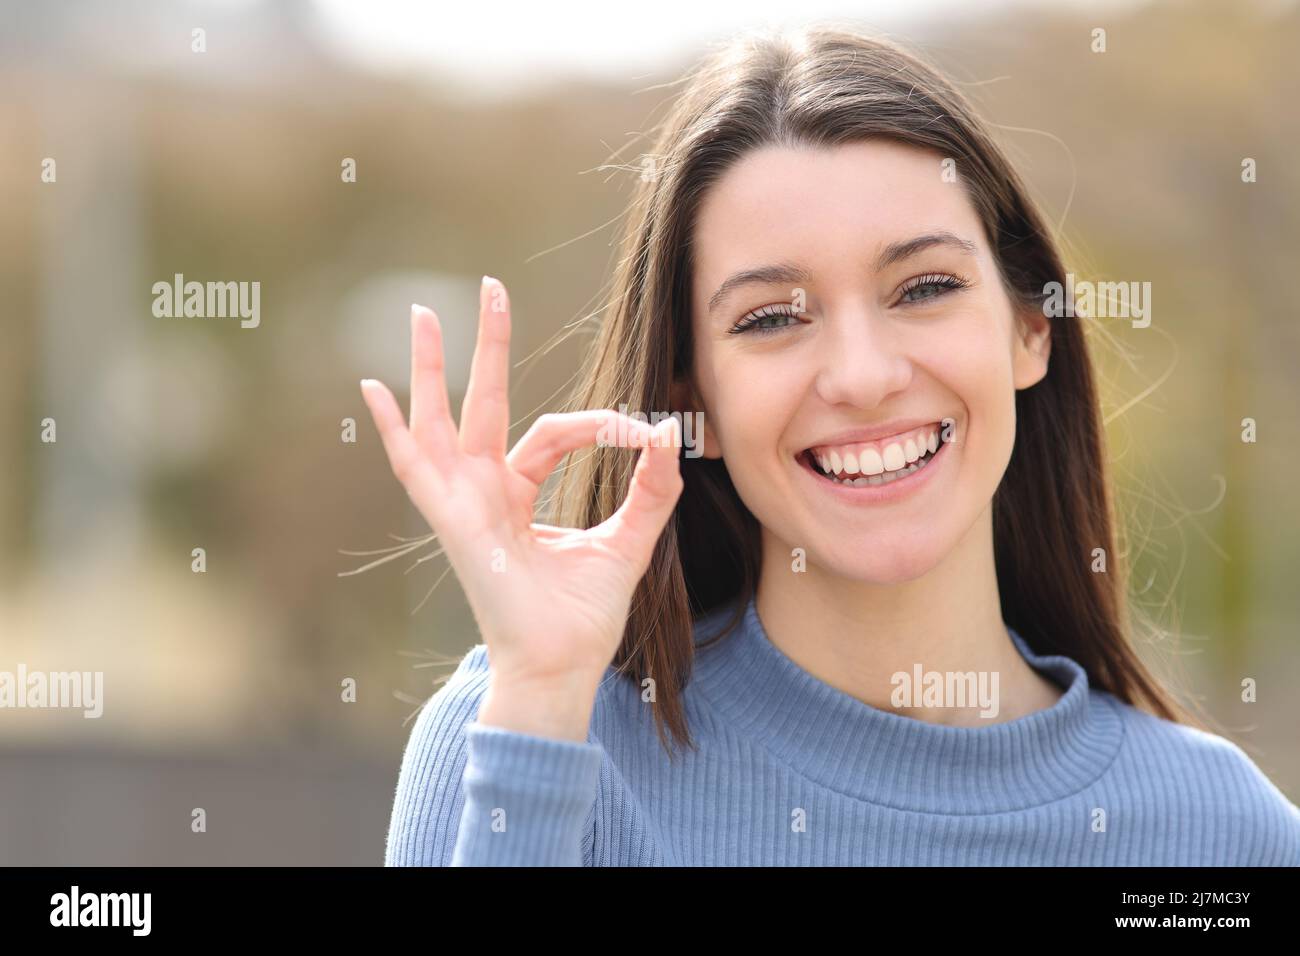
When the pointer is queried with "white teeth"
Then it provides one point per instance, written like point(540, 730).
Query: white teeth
point(874, 467)
point(882, 479)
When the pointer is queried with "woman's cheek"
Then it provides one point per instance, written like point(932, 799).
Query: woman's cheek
point(986, 390)
point(741, 425)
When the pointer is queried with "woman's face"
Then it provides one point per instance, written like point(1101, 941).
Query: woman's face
point(903, 329)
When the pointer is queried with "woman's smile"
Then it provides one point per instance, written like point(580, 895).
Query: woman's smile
point(879, 472)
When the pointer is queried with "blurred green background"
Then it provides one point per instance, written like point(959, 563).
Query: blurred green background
point(222, 689)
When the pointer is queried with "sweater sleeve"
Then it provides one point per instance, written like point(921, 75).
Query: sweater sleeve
point(470, 794)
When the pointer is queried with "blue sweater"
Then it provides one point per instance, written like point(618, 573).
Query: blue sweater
point(791, 771)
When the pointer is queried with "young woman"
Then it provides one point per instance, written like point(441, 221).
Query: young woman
point(861, 622)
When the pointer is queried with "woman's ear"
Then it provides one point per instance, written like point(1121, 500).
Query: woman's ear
point(697, 434)
point(1033, 347)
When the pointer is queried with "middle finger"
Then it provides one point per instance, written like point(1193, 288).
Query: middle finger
point(485, 413)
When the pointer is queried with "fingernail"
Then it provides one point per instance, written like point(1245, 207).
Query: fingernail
point(367, 382)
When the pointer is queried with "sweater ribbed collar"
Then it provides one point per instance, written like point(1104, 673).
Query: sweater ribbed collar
point(848, 746)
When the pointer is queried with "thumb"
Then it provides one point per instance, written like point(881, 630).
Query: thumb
point(652, 495)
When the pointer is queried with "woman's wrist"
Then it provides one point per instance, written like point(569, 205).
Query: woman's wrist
point(558, 706)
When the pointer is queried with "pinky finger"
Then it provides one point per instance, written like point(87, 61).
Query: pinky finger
point(404, 456)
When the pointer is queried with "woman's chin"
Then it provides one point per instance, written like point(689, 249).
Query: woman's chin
point(888, 563)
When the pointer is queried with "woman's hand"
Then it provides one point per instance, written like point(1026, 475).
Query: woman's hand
point(551, 603)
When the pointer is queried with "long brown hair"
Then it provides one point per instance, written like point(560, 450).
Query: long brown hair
point(823, 86)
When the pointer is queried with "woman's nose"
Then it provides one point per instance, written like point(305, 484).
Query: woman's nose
point(862, 360)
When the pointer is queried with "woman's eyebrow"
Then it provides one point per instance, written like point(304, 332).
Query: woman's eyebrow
point(789, 272)
point(767, 275)
point(898, 251)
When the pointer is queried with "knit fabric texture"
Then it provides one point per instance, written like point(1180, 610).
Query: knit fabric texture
point(790, 771)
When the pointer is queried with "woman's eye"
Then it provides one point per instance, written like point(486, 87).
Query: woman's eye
point(927, 291)
point(767, 319)
point(773, 318)
point(931, 287)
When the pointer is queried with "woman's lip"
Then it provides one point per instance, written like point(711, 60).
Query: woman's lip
point(873, 436)
point(870, 494)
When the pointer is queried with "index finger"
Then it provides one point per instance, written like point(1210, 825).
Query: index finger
point(554, 435)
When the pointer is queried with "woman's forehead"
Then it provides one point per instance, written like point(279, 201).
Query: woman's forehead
point(851, 198)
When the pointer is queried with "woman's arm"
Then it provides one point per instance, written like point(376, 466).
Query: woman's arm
point(551, 603)
point(474, 794)
point(528, 799)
